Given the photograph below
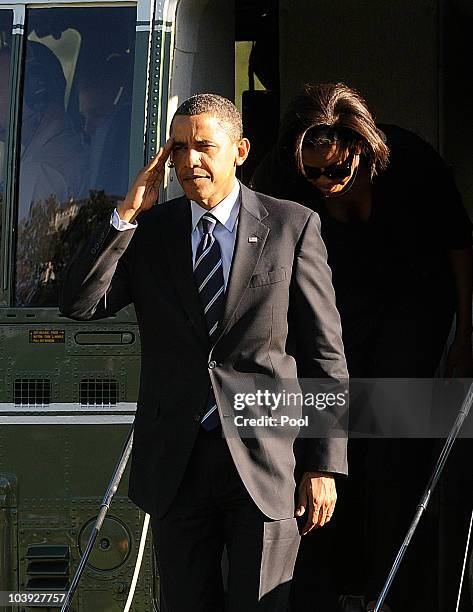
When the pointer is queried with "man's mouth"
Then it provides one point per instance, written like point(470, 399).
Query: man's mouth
point(196, 177)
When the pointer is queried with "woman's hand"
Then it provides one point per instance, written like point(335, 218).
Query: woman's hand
point(144, 191)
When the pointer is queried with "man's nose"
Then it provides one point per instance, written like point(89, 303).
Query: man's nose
point(192, 158)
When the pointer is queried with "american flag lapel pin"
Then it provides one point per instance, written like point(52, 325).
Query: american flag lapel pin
point(253, 239)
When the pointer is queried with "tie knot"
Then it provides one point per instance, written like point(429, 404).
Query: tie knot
point(208, 223)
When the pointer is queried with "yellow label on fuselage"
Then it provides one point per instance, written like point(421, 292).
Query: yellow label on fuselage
point(47, 336)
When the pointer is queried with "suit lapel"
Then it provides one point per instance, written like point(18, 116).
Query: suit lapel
point(250, 240)
point(177, 239)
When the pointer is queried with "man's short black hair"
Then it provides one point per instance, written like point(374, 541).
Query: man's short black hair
point(221, 108)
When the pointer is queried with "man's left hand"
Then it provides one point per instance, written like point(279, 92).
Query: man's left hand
point(317, 498)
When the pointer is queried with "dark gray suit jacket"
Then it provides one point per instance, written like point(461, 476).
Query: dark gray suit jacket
point(280, 308)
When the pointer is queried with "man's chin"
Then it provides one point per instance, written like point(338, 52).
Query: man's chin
point(196, 192)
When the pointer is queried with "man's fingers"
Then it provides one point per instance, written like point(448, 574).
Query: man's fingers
point(155, 178)
point(334, 503)
point(330, 505)
point(312, 507)
point(322, 516)
point(320, 493)
point(167, 149)
point(150, 196)
point(305, 503)
point(324, 513)
point(152, 172)
point(330, 511)
point(302, 502)
point(162, 155)
point(311, 519)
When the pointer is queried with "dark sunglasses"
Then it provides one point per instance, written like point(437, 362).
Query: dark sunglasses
point(336, 171)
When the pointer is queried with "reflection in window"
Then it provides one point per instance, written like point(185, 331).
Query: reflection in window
point(6, 20)
point(66, 48)
point(75, 137)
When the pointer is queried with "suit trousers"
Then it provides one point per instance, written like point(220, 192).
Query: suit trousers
point(213, 510)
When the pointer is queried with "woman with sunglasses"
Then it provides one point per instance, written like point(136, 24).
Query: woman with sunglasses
point(399, 245)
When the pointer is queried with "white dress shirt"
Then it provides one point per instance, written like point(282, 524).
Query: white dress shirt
point(226, 213)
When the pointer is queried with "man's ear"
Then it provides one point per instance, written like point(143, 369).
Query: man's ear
point(243, 148)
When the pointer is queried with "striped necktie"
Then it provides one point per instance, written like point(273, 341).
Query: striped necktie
point(208, 274)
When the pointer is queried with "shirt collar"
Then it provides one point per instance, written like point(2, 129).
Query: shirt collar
point(226, 211)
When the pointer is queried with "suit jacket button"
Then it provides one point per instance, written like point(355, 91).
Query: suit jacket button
point(212, 365)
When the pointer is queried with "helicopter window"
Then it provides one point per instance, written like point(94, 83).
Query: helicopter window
point(75, 137)
point(6, 22)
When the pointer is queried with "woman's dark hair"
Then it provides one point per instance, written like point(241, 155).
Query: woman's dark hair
point(326, 113)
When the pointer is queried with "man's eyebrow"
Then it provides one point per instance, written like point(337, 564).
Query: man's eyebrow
point(199, 141)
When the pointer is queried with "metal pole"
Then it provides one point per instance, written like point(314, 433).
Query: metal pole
point(465, 559)
point(111, 490)
point(464, 410)
point(139, 559)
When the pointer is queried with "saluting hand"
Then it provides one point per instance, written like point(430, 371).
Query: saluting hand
point(317, 498)
point(144, 191)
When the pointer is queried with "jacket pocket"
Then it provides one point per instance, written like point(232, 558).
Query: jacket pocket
point(281, 541)
point(267, 278)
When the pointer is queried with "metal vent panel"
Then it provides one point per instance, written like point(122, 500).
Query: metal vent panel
point(47, 584)
point(48, 568)
point(47, 551)
point(32, 392)
point(98, 392)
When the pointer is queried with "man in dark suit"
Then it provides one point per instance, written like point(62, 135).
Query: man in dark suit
point(230, 288)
